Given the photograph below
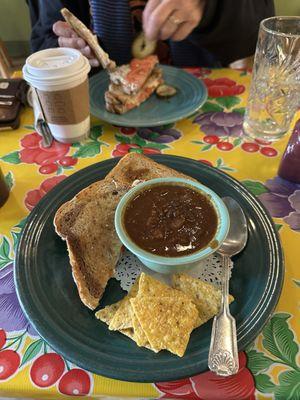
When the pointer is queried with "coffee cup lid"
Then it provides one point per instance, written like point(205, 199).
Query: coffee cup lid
point(54, 62)
point(54, 67)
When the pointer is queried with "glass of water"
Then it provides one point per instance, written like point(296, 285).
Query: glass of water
point(275, 87)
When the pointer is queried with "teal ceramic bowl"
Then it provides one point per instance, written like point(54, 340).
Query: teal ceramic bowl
point(168, 265)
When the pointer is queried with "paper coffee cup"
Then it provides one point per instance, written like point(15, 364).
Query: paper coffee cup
point(60, 77)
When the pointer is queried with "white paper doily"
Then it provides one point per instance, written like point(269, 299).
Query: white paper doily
point(130, 267)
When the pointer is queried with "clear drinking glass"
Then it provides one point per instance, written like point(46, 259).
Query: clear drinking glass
point(275, 87)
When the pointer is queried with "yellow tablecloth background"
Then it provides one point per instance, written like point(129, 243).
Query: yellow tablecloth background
point(245, 166)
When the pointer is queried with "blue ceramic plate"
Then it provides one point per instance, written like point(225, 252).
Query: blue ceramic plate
point(191, 95)
point(50, 300)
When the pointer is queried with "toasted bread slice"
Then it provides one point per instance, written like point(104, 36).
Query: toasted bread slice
point(136, 166)
point(87, 224)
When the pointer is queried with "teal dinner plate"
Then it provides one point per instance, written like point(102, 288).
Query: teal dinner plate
point(49, 297)
point(191, 95)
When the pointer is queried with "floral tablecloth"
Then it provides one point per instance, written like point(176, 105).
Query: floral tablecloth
point(269, 368)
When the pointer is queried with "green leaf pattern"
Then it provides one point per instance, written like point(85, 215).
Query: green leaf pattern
point(9, 179)
point(32, 350)
point(228, 101)
point(211, 107)
point(95, 132)
point(237, 141)
point(4, 252)
point(255, 187)
point(206, 147)
point(123, 139)
point(240, 110)
point(278, 227)
point(263, 383)
point(258, 362)
point(138, 141)
point(12, 158)
point(278, 341)
point(89, 149)
point(289, 386)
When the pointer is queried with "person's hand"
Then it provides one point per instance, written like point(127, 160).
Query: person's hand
point(68, 38)
point(171, 19)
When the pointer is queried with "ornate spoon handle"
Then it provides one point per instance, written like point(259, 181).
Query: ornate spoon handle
point(223, 353)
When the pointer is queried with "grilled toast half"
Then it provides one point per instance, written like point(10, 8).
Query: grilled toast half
point(86, 222)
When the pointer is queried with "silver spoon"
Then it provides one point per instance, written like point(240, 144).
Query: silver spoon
point(223, 352)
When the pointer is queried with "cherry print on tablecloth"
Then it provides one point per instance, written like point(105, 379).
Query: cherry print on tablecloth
point(75, 382)
point(224, 130)
point(2, 338)
point(219, 163)
point(47, 369)
point(56, 158)
point(34, 196)
point(123, 148)
point(9, 363)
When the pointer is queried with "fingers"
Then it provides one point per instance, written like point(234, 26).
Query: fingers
point(182, 32)
point(87, 52)
point(150, 7)
point(168, 30)
point(175, 19)
point(74, 43)
point(94, 62)
point(158, 17)
point(61, 28)
point(68, 38)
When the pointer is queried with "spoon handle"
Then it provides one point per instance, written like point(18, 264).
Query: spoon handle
point(223, 353)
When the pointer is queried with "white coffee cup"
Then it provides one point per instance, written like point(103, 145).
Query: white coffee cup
point(60, 77)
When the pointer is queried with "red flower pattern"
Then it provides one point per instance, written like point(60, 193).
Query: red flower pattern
point(223, 87)
point(209, 386)
point(123, 148)
point(34, 196)
point(34, 153)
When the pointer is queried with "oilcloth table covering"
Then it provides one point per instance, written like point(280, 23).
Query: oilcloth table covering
point(269, 367)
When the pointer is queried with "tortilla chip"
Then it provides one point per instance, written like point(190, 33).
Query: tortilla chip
point(139, 335)
point(206, 297)
point(149, 286)
point(166, 320)
point(122, 318)
point(107, 313)
point(128, 332)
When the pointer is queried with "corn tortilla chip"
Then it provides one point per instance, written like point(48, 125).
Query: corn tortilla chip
point(167, 321)
point(206, 297)
point(122, 318)
point(149, 286)
point(107, 313)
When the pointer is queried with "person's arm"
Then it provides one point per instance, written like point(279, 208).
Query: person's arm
point(229, 28)
point(44, 13)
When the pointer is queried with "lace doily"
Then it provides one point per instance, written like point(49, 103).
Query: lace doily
point(130, 267)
